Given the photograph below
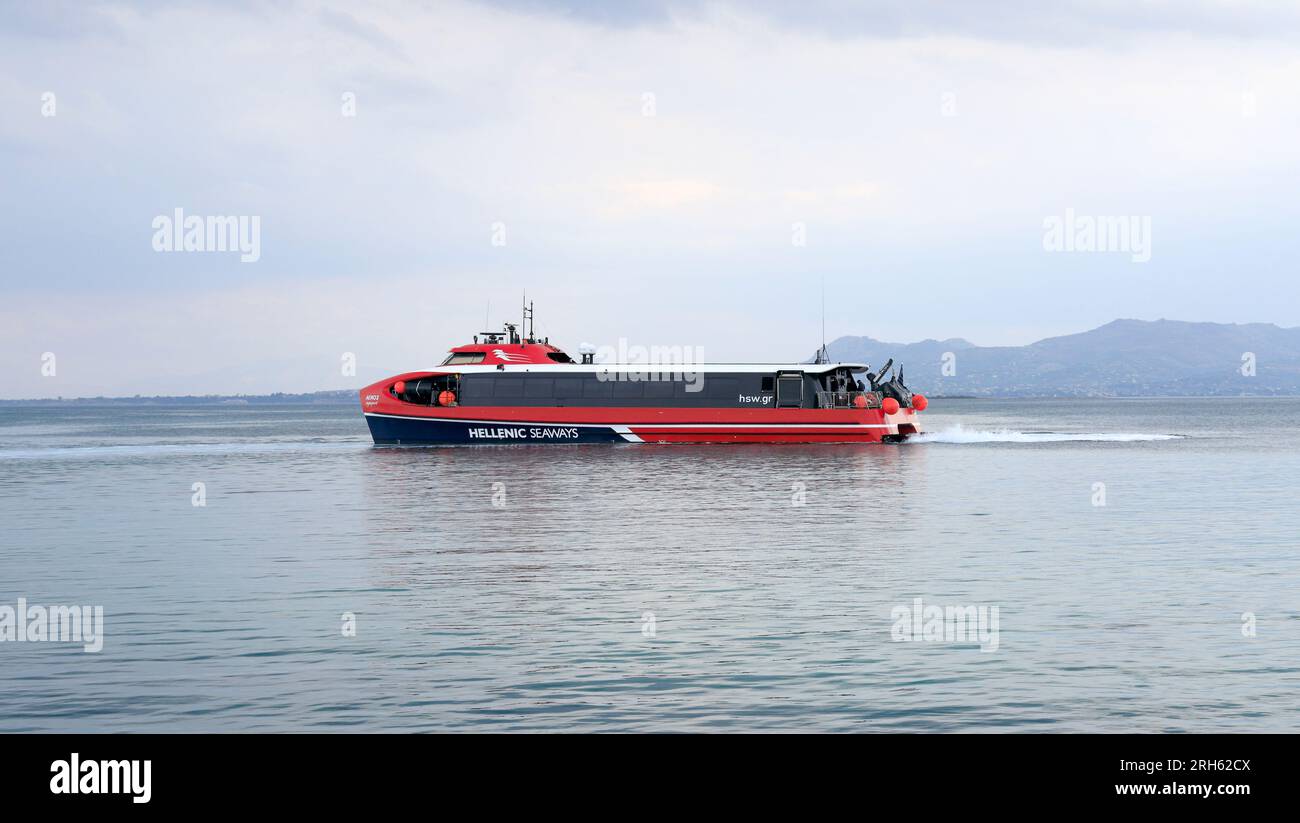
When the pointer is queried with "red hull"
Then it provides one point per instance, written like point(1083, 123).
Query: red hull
point(393, 421)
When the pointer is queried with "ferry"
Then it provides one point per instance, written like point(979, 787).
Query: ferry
point(508, 387)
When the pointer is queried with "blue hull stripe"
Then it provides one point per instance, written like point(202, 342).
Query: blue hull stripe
point(400, 431)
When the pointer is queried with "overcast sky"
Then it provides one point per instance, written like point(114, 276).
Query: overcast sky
point(651, 168)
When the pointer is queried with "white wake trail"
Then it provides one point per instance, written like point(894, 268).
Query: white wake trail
point(958, 434)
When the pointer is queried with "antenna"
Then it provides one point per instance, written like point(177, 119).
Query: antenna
point(527, 325)
point(822, 356)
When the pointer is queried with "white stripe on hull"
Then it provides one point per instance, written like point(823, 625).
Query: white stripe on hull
point(627, 434)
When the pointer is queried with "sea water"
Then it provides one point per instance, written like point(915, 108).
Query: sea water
point(265, 568)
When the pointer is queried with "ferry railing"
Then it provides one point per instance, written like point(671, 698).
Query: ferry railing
point(847, 399)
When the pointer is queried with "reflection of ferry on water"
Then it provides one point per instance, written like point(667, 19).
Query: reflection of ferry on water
point(509, 388)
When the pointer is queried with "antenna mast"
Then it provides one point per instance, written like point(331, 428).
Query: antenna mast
point(822, 356)
point(527, 325)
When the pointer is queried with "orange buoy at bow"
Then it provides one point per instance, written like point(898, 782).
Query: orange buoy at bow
point(919, 402)
point(889, 405)
point(446, 398)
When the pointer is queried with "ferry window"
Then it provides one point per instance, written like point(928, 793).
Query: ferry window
point(463, 358)
point(768, 383)
point(559, 357)
point(539, 387)
point(659, 389)
point(791, 391)
point(568, 387)
point(692, 386)
point(722, 387)
point(628, 390)
point(477, 388)
point(508, 387)
point(596, 388)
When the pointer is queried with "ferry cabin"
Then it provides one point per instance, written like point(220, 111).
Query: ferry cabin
point(715, 386)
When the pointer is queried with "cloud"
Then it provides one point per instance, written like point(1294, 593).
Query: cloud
point(920, 145)
point(1068, 22)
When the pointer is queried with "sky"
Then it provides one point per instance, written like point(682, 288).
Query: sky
point(664, 174)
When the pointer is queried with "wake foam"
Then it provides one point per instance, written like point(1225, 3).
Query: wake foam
point(958, 434)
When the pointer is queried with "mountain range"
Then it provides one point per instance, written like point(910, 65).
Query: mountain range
point(1124, 358)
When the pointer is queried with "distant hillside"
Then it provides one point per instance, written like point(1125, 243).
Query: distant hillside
point(1125, 358)
point(876, 352)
